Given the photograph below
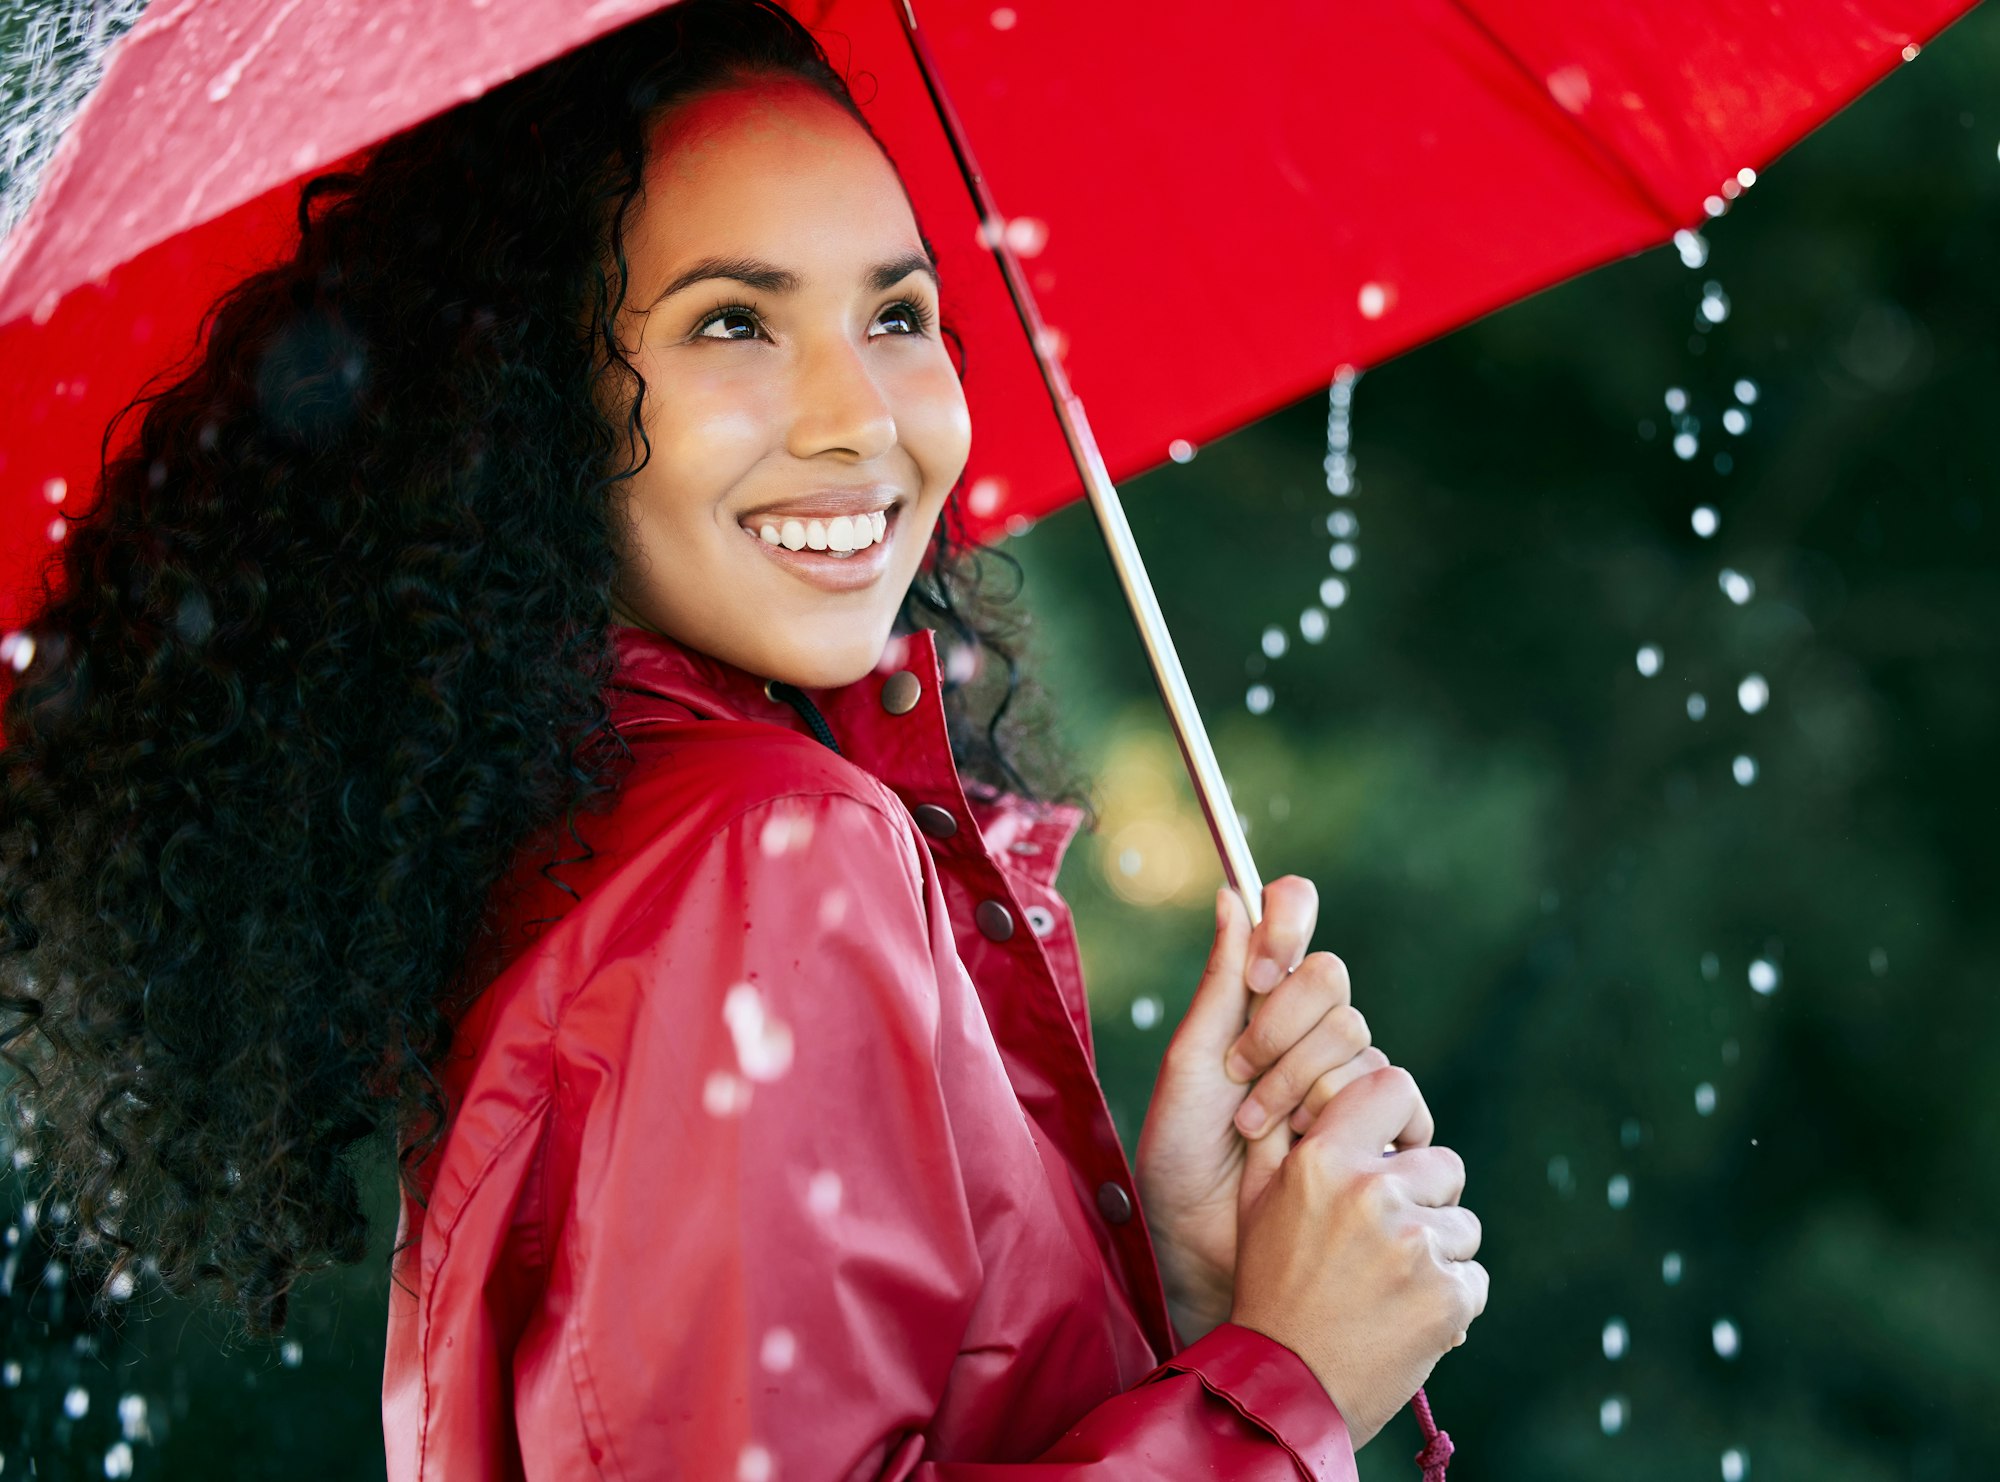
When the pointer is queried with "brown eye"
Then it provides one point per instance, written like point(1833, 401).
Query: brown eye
point(732, 319)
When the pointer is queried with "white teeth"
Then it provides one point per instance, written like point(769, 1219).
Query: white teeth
point(816, 534)
point(840, 534)
point(793, 535)
point(770, 534)
point(880, 520)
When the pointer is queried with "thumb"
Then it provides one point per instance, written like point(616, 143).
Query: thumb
point(1221, 1005)
point(1261, 1157)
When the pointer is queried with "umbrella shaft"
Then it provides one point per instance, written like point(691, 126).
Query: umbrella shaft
point(1211, 790)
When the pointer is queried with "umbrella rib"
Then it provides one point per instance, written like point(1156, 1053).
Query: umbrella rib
point(1601, 151)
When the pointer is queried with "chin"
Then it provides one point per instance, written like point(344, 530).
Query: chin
point(827, 666)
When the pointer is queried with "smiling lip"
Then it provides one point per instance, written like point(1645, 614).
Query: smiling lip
point(820, 504)
point(822, 568)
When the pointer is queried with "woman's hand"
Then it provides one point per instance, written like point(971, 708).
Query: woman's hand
point(1303, 1042)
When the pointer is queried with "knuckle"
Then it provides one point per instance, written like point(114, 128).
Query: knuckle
point(1353, 1027)
point(1397, 1081)
point(1374, 1059)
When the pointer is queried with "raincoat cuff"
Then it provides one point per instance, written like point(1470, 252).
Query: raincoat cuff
point(1271, 1387)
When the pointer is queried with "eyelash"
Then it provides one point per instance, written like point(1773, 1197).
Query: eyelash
point(920, 314)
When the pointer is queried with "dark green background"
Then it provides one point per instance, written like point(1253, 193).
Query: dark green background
point(1524, 847)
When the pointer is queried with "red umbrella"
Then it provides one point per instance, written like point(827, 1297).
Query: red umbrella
point(1107, 177)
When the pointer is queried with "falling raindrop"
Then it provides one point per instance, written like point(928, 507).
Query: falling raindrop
point(1341, 524)
point(1725, 1338)
point(291, 1353)
point(1764, 976)
point(1714, 205)
point(10, 1373)
point(1736, 421)
point(1746, 392)
point(1258, 699)
point(1615, 1338)
point(1746, 177)
point(1697, 705)
point(1145, 1011)
point(1560, 1177)
point(1649, 660)
point(18, 649)
point(1735, 1465)
point(1332, 592)
point(1706, 521)
point(1736, 586)
point(1618, 1192)
point(1714, 303)
point(76, 1403)
point(1027, 235)
point(1312, 624)
point(1373, 300)
point(1670, 1268)
point(1611, 1415)
point(1677, 400)
point(1181, 450)
point(1631, 1133)
point(1704, 1099)
point(1693, 248)
point(1343, 556)
point(1686, 445)
point(118, 1460)
point(1878, 961)
point(1744, 770)
point(1753, 694)
point(132, 1417)
point(1274, 642)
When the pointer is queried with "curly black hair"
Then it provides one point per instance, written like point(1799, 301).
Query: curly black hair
point(328, 650)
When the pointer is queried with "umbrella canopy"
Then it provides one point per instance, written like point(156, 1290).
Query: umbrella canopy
point(1213, 216)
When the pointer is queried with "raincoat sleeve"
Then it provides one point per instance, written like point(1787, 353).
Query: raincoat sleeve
point(768, 1260)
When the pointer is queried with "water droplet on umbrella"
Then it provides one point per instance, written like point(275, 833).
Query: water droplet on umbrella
point(1764, 976)
point(1027, 235)
point(1332, 592)
point(1611, 1415)
point(1373, 300)
point(1706, 521)
point(1744, 770)
point(1753, 694)
point(779, 1350)
point(56, 490)
point(1258, 699)
point(1003, 19)
point(1181, 450)
point(1725, 1338)
point(1746, 177)
point(1274, 642)
point(1312, 624)
point(1704, 1099)
point(1343, 556)
point(1570, 87)
point(1670, 1268)
point(1145, 1011)
point(1910, 52)
point(1615, 1338)
point(823, 1192)
point(1618, 1191)
point(1649, 660)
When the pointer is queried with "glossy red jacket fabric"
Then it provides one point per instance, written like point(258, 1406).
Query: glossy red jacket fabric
point(780, 1154)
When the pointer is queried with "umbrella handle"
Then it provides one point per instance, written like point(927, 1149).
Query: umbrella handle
point(1211, 790)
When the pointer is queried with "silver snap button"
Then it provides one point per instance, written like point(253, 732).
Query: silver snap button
point(935, 821)
point(1114, 1203)
point(770, 691)
point(996, 922)
point(1041, 920)
point(900, 691)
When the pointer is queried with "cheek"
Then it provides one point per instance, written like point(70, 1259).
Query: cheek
point(935, 426)
point(707, 428)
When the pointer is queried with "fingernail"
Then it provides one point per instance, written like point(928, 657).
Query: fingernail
point(1264, 974)
point(1250, 1119)
point(1239, 1068)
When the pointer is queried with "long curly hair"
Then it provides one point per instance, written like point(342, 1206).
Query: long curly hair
point(328, 650)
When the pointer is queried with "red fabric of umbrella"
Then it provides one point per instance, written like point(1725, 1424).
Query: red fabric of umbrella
point(1213, 213)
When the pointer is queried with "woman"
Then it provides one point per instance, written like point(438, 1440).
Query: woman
point(595, 455)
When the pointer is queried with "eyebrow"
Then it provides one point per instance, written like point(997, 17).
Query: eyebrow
point(756, 273)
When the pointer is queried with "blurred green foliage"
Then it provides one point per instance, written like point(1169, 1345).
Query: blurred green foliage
point(1525, 847)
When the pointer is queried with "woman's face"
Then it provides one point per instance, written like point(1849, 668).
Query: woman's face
point(782, 312)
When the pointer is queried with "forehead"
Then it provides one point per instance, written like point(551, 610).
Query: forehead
point(768, 167)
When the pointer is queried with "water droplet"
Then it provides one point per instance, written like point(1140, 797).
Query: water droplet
point(1560, 1178)
point(76, 1403)
point(58, 528)
point(1611, 1415)
point(1764, 976)
point(1615, 1338)
point(755, 1464)
point(1332, 592)
point(1736, 586)
point(1910, 52)
point(763, 1044)
point(1878, 961)
point(1373, 300)
point(1686, 445)
point(779, 1350)
point(1341, 524)
point(1704, 1099)
point(1618, 1192)
point(985, 496)
point(1003, 19)
point(1746, 392)
point(1670, 1268)
point(1145, 1011)
point(1258, 699)
point(1735, 1465)
point(1649, 660)
point(10, 1373)
point(1714, 303)
point(1706, 521)
point(1027, 235)
point(1312, 624)
point(1570, 87)
point(1746, 177)
point(1744, 770)
point(1130, 862)
point(1274, 642)
point(55, 490)
point(132, 1417)
point(1753, 694)
point(823, 1193)
point(18, 649)
point(1677, 400)
point(45, 307)
point(1343, 555)
point(118, 1460)
point(1697, 706)
point(724, 1094)
point(1725, 1338)
point(1693, 249)
point(1735, 421)
point(1181, 450)
point(121, 1286)
point(784, 832)
point(1714, 205)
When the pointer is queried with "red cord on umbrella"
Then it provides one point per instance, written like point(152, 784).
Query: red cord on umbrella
point(1436, 1454)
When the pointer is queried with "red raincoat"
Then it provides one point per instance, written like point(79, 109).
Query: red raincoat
point(781, 1155)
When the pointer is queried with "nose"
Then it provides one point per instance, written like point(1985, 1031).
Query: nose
point(840, 407)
